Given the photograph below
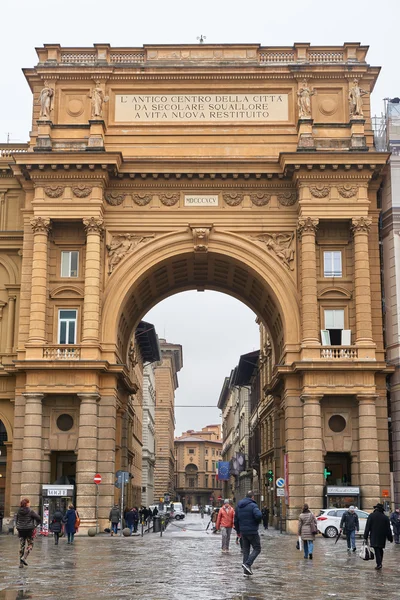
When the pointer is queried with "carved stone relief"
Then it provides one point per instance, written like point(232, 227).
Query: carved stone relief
point(200, 238)
point(169, 199)
point(81, 190)
point(347, 191)
point(319, 191)
point(142, 199)
point(361, 225)
point(40, 225)
point(233, 198)
point(307, 225)
point(280, 244)
point(287, 198)
point(260, 198)
point(54, 191)
point(121, 245)
point(114, 198)
point(93, 225)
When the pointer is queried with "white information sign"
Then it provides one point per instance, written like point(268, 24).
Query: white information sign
point(201, 200)
point(201, 108)
point(280, 492)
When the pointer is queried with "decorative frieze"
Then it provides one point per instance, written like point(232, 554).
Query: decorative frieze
point(319, 191)
point(142, 199)
point(260, 198)
point(40, 225)
point(347, 191)
point(121, 246)
point(232, 198)
point(280, 244)
point(81, 190)
point(54, 191)
point(114, 198)
point(169, 198)
point(287, 198)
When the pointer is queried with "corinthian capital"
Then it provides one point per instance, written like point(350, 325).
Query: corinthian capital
point(93, 225)
point(307, 225)
point(361, 225)
point(40, 225)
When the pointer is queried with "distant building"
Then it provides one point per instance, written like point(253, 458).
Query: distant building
point(196, 456)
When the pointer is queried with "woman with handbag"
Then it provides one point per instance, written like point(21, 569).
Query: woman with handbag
point(306, 530)
point(26, 521)
point(70, 519)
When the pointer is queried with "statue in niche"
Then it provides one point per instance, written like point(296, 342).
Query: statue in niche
point(355, 100)
point(98, 98)
point(304, 100)
point(46, 97)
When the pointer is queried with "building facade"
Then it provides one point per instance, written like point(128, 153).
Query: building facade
point(245, 169)
point(149, 447)
point(197, 454)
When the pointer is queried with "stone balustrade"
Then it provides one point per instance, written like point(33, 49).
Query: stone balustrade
point(62, 352)
point(339, 352)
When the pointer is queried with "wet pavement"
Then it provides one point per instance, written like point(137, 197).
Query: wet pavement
point(186, 563)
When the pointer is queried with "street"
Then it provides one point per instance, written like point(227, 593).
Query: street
point(186, 563)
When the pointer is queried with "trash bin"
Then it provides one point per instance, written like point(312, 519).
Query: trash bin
point(156, 524)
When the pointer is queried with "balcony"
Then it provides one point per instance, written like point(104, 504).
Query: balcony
point(62, 352)
point(339, 352)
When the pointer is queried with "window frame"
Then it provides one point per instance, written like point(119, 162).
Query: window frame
point(67, 320)
point(69, 252)
point(332, 274)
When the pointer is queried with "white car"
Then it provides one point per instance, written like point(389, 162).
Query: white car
point(328, 521)
point(195, 509)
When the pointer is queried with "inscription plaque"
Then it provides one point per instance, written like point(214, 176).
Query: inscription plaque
point(201, 108)
point(201, 200)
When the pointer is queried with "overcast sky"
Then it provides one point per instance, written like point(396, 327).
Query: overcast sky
point(214, 329)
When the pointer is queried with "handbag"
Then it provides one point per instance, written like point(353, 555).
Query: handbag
point(365, 552)
point(77, 521)
point(313, 526)
point(299, 544)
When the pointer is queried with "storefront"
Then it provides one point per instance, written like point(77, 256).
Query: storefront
point(342, 496)
point(55, 497)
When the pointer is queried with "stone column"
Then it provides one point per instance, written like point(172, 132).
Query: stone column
point(368, 451)
point(313, 452)
point(2, 211)
point(91, 306)
point(294, 450)
point(31, 472)
point(37, 324)
point(86, 467)
point(362, 281)
point(10, 324)
point(307, 228)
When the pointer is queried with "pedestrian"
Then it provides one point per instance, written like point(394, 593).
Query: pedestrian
point(71, 521)
point(265, 516)
point(114, 517)
point(130, 519)
point(155, 511)
point(247, 519)
point(26, 522)
point(395, 521)
point(226, 516)
point(135, 519)
point(349, 524)
point(213, 520)
point(307, 529)
point(378, 529)
point(56, 525)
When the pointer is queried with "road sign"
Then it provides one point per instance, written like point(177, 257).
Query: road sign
point(97, 478)
point(280, 492)
point(122, 477)
point(385, 493)
point(280, 482)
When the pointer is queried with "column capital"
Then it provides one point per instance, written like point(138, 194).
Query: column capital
point(311, 398)
point(89, 397)
point(33, 396)
point(368, 398)
point(307, 225)
point(361, 225)
point(93, 225)
point(40, 225)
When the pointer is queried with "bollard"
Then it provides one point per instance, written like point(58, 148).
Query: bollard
point(92, 531)
point(142, 528)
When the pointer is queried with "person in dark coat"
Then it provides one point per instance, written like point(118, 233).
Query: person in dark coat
point(155, 511)
point(350, 525)
point(70, 520)
point(395, 521)
point(247, 519)
point(114, 517)
point(265, 516)
point(378, 528)
point(130, 518)
point(26, 521)
point(56, 525)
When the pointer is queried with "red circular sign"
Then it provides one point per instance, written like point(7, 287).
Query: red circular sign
point(97, 478)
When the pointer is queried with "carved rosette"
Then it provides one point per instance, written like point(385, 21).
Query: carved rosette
point(287, 198)
point(200, 238)
point(114, 198)
point(169, 198)
point(361, 225)
point(40, 225)
point(319, 191)
point(81, 190)
point(93, 225)
point(307, 225)
point(142, 199)
point(280, 244)
point(54, 191)
point(232, 198)
point(260, 198)
point(348, 191)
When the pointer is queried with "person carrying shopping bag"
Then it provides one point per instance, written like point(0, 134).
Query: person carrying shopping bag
point(307, 529)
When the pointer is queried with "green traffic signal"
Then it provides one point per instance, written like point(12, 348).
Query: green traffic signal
point(270, 475)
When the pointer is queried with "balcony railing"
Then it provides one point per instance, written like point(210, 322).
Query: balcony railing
point(339, 352)
point(62, 352)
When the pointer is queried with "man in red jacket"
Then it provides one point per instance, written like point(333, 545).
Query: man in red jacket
point(225, 520)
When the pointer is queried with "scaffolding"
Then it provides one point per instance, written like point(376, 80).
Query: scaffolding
point(387, 128)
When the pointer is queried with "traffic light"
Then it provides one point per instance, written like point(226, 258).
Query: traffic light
point(327, 473)
point(270, 476)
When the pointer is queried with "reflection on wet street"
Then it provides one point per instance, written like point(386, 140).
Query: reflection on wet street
point(186, 563)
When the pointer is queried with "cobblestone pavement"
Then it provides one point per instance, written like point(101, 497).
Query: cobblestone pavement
point(186, 563)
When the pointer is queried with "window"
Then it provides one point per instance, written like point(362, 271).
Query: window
point(206, 462)
point(213, 452)
point(206, 481)
point(69, 263)
point(67, 326)
point(191, 450)
point(213, 465)
point(334, 333)
point(333, 264)
point(191, 482)
point(213, 481)
point(206, 450)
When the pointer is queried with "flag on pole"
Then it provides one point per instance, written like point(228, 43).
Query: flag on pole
point(223, 470)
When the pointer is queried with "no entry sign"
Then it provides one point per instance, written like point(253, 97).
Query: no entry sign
point(97, 478)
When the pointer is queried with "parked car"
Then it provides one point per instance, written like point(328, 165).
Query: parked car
point(328, 521)
point(195, 509)
point(178, 514)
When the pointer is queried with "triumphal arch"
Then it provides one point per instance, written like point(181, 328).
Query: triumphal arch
point(244, 169)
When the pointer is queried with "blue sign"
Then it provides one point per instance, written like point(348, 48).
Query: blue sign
point(223, 470)
point(280, 483)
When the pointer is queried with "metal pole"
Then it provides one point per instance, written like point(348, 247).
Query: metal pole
point(122, 501)
point(280, 514)
point(97, 508)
